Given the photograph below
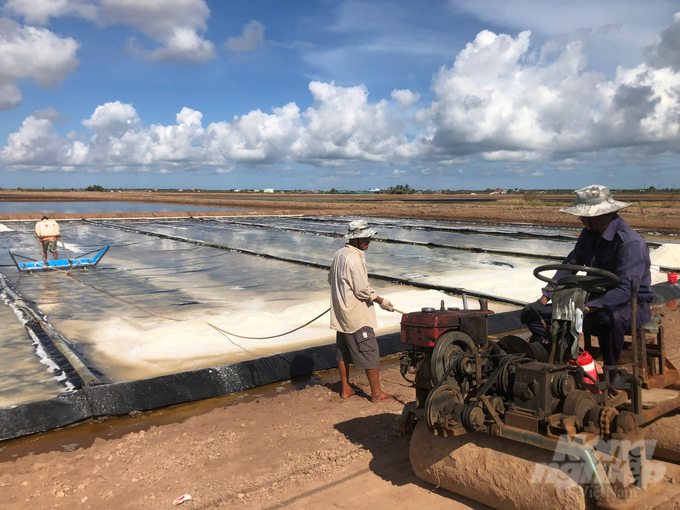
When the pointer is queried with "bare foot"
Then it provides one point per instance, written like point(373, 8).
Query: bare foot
point(347, 393)
point(380, 397)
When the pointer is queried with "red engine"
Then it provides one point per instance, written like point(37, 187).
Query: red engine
point(423, 330)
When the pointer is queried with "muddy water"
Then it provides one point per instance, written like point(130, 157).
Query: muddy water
point(82, 435)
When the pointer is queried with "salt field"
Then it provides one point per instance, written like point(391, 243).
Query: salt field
point(156, 306)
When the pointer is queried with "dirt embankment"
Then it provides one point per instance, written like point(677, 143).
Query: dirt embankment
point(655, 212)
point(302, 449)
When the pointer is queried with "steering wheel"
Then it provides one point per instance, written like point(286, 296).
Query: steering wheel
point(596, 279)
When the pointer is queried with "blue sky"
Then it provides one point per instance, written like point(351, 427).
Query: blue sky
point(345, 94)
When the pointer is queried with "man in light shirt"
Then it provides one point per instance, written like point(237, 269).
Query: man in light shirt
point(47, 232)
point(353, 313)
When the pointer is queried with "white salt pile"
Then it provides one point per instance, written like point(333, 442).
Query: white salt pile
point(666, 255)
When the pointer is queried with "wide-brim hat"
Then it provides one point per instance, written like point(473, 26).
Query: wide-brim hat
point(594, 201)
point(359, 229)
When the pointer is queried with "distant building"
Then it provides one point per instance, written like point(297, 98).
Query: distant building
point(268, 190)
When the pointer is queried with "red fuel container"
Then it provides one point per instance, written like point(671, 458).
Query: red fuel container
point(586, 361)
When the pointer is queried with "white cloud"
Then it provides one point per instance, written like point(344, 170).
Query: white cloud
point(256, 137)
point(405, 98)
point(225, 170)
point(665, 51)
point(50, 114)
point(30, 52)
point(176, 25)
point(37, 144)
point(10, 96)
point(634, 22)
point(501, 100)
point(495, 102)
point(188, 116)
point(112, 120)
point(512, 156)
point(343, 125)
point(251, 38)
point(569, 164)
point(40, 11)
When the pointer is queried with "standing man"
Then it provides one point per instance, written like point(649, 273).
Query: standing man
point(607, 242)
point(47, 232)
point(353, 313)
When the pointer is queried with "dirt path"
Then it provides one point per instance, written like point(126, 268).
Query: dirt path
point(302, 449)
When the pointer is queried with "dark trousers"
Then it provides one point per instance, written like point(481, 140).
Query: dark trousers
point(609, 325)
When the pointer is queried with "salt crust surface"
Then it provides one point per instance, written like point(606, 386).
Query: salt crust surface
point(666, 255)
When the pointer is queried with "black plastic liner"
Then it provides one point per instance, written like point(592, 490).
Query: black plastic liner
point(54, 353)
point(34, 321)
point(146, 394)
point(142, 395)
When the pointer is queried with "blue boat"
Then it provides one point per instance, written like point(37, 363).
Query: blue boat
point(82, 261)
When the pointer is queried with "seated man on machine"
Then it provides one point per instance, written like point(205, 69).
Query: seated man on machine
point(607, 242)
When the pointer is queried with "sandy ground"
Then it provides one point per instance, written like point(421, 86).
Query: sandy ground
point(299, 449)
point(302, 449)
point(650, 212)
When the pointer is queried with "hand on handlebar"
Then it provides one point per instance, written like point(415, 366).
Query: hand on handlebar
point(532, 311)
point(386, 305)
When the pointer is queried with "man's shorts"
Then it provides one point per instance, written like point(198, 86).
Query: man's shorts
point(360, 348)
point(49, 245)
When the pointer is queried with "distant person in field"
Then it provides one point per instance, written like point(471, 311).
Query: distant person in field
point(47, 231)
point(353, 313)
point(606, 242)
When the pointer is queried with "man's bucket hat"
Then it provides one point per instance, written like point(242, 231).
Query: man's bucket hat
point(594, 200)
point(359, 229)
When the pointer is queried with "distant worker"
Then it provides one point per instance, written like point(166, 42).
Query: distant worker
point(607, 242)
point(353, 313)
point(47, 232)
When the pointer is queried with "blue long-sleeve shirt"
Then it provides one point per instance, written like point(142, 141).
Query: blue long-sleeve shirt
point(619, 250)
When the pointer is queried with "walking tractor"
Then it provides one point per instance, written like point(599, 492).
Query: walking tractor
point(516, 424)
